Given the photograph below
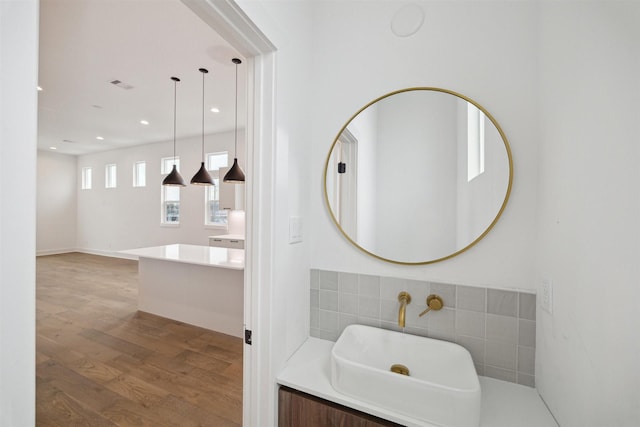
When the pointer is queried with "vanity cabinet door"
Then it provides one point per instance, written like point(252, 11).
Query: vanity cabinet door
point(296, 409)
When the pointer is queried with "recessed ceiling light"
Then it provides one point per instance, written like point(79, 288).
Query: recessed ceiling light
point(215, 110)
point(53, 148)
point(39, 88)
point(99, 138)
point(144, 122)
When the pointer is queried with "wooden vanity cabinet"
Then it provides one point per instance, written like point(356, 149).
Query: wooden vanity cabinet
point(297, 409)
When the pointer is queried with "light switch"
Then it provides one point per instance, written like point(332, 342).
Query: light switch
point(295, 229)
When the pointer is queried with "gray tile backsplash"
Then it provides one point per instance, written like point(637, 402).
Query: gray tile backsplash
point(496, 326)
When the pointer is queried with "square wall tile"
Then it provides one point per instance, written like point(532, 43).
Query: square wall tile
point(504, 303)
point(368, 307)
point(502, 328)
point(346, 320)
point(328, 320)
point(528, 380)
point(315, 321)
point(527, 333)
point(329, 280)
point(527, 306)
point(526, 360)
point(348, 283)
point(328, 300)
point(390, 287)
point(470, 323)
point(348, 303)
point(446, 292)
point(389, 311)
point(368, 321)
point(500, 374)
point(418, 289)
point(314, 298)
point(475, 346)
point(442, 321)
point(442, 335)
point(315, 279)
point(471, 299)
point(369, 285)
point(500, 355)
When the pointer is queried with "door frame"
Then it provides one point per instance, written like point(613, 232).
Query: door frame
point(228, 20)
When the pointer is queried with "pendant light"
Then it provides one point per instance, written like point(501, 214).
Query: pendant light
point(235, 174)
point(202, 177)
point(174, 178)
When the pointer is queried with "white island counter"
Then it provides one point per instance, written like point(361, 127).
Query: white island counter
point(199, 285)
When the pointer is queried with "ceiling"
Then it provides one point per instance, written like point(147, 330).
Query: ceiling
point(86, 44)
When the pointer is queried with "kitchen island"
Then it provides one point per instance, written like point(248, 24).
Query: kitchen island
point(199, 285)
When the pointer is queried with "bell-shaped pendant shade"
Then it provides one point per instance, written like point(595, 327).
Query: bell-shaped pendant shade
point(234, 174)
point(202, 177)
point(174, 178)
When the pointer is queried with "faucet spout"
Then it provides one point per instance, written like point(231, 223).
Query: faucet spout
point(403, 298)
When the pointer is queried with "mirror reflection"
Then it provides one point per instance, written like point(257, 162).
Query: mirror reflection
point(418, 176)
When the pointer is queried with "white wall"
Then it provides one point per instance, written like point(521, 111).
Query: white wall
point(587, 366)
point(125, 217)
point(18, 125)
point(488, 55)
point(56, 205)
point(288, 26)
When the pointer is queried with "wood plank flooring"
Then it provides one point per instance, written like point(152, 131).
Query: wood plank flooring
point(100, 362)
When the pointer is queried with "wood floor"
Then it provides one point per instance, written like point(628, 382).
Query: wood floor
point(102, 363)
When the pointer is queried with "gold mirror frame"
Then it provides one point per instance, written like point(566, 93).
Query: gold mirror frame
point(474, 242)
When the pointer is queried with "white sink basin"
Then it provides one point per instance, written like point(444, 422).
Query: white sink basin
point(442, 389)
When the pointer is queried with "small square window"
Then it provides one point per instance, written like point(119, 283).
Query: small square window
point(86, 178)
point(216, 161)
point(167, 165)
point(213, 215)
point(170, 205)
point(140, 174)
point(110, 176)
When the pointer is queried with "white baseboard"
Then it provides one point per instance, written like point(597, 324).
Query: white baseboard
point(112, 254)
point(45, 252)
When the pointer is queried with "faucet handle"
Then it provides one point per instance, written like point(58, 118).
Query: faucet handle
point(434, 302)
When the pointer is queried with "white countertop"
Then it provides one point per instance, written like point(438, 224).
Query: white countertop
point(504, 404)
point(193, 254)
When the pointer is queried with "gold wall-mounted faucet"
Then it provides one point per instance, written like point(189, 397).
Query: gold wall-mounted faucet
point(403, 298)
point(434, 302)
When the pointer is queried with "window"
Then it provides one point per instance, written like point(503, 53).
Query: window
point(86, 178)
point(140, 174)
point(475, 142)
point(110, 176)
point(167, 165)
point(170, 205)
point(214, 216)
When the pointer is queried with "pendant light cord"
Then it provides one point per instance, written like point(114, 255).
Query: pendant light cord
point(203, 73)
point(236, 117)
point(175, 85)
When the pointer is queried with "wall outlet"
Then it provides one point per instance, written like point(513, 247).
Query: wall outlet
point(546, 296)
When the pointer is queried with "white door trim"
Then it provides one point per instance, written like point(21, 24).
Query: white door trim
point(228, 20)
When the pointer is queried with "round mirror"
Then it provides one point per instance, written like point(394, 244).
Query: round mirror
point(418, 175)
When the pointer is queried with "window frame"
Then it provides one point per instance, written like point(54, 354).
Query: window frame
point(137, 181)
point(215, 174)
point(111, 175)
point(86, 179)
point(164, 205)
